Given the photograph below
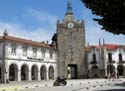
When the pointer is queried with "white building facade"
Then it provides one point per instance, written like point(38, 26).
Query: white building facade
point(26, 60)
point(106, 59)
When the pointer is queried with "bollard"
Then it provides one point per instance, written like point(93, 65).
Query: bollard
point(26, 87)
point(94, 86)
point(80, 83)
point(46, 85)
point(101, 85)
point(87, 87)
point(88, 82)
point(15, 89)
point(71, 84)
point(36, 86)
point(108, 84)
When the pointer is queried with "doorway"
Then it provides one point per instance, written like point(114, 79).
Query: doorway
point(72, 71)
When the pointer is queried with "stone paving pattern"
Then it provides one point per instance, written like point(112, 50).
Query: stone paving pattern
point(73, 85)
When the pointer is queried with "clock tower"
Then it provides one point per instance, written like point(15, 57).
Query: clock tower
point(71, 46)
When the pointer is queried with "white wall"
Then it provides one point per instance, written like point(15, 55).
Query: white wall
point(19, 53)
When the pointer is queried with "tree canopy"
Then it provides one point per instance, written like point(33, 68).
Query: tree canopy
point(111, 12)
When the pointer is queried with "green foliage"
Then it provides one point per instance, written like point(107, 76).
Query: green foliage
point(112, 13)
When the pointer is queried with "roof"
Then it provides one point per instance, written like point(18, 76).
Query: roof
point(107, 46)
point(111, 46)
point(26, 41)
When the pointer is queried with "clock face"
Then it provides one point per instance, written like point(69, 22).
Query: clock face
point(70, 25)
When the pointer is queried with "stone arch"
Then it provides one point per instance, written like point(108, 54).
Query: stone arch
point(13, 72)
point(120, 70)
point(43, 72)
point(110, 69)
point(0, 73)
point(94, 71)
point(24, 72)
point(34, 72)
point(51, 72)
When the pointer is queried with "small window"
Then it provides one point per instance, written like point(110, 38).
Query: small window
point(34, 53)
point(24, 50)
point(43, 53)
point(120, 57)
point(94, 57)
point(13, 50)
point(51, 55)
point(110, 56)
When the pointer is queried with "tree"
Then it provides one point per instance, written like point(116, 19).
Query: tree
point(111, 12)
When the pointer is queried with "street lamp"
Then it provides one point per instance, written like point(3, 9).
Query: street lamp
point(4, 71)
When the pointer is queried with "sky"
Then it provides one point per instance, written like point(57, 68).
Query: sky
point(36, 20)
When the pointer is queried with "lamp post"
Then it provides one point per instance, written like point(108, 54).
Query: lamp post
point(4, 71)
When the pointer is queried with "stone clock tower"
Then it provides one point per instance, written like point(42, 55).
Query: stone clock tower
point(71, 46)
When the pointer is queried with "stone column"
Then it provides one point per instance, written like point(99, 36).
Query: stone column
point(29, 75)
point(123, 70)
point(19, 75)
point(47, 75)
point(55, 73)
point(39, 78)
point(116, 70)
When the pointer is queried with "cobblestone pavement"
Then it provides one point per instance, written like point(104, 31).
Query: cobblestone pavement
point(84, 86)
point(73, 85)
point(112, 87)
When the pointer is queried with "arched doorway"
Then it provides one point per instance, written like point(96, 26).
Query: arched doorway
point(110, 69)
point(13, 72)
point(51, 72)
point(24, 72)
point(120, 70)
point(94, 71)
point(43, 72)
point(34, 72)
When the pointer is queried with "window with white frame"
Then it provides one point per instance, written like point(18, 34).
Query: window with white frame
point(24, 50)
point(34, 53)
point(120, 57)
point(110, 56)
point(13, 49)
point(51, 54)
point(43, 53)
